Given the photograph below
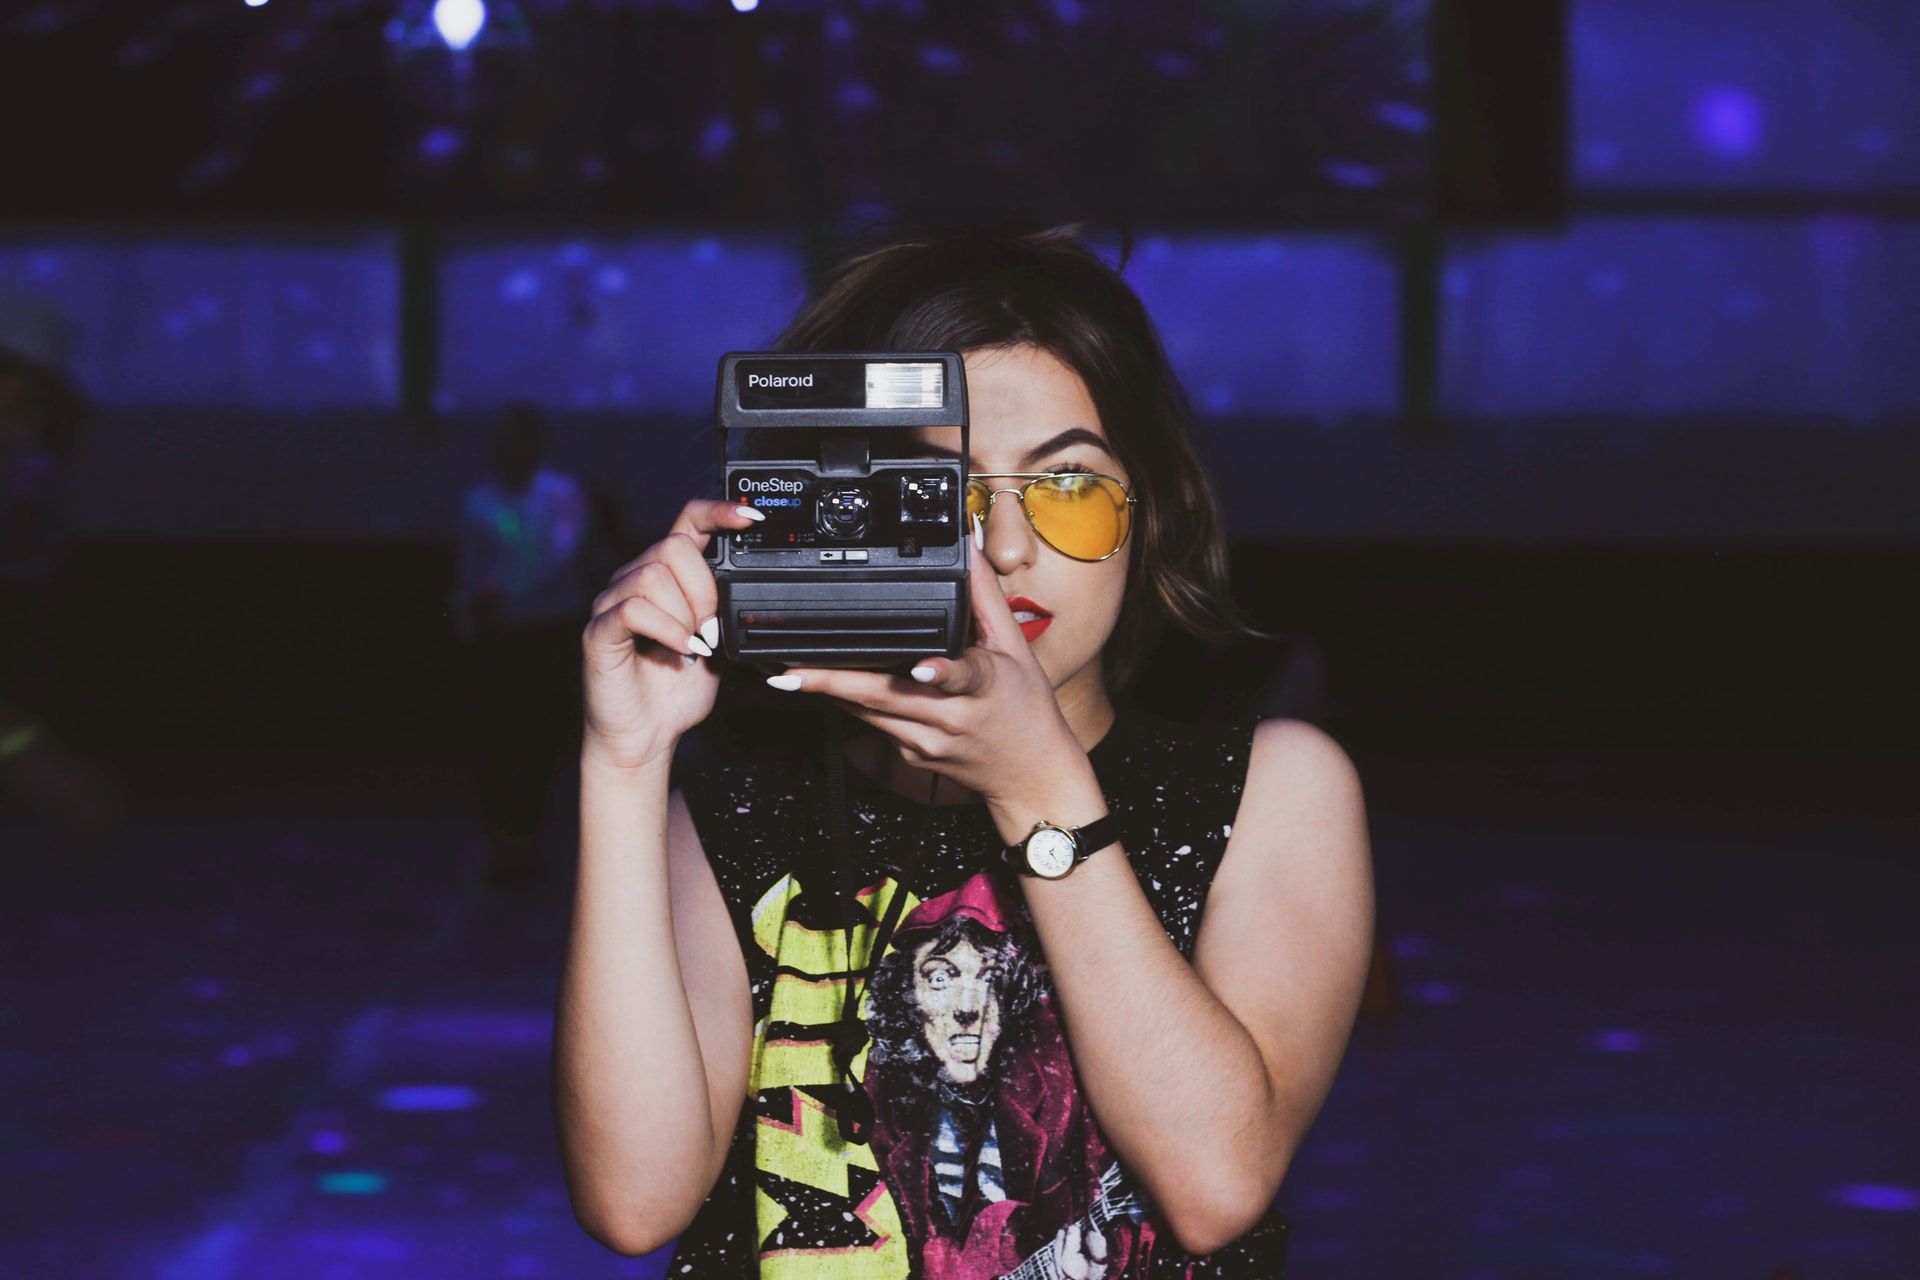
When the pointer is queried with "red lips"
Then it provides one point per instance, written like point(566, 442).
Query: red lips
point(1031, 630)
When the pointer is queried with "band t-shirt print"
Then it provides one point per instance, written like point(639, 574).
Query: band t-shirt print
point(984, 1160)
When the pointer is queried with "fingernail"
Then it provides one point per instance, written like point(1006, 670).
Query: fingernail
point(786, 683)
point(750, 513)
point(710, 632)
point(696, 645)
point(922, 674)
point(979, 534)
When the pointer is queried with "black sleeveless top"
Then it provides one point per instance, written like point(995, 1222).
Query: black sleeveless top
point(982, 1150)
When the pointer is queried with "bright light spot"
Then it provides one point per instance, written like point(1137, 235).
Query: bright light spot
point(1729, 122)
point(745, 6)
point(1434, 993)
point(255, 4)
point(429, 1097)
point(459, 22)
point(1883, 1198)
point(1617, 1040)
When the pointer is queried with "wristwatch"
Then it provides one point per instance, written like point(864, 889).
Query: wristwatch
point(1050, 851)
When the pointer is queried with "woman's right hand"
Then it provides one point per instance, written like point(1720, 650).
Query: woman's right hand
point(645, 684)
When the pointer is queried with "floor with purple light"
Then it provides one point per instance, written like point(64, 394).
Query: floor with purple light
point(292, 1037)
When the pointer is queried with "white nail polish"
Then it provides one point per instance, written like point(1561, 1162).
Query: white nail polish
point(922, 674)
point(786, 683)
point(980, 534)
point(696, 645)
point(710, 632)
point(750, 512)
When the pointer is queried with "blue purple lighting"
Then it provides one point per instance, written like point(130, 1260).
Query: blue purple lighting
point(1298, 325)
point(716, 140)
point(1879, 1197)
point(1353, 174)
point(1668, 317)
point(327, 1142)
point(1617, 1040)
point(236, 315)
point(495, 1029)
point(1435, 993)
point(943, 59)
point(635, 321)
point(1798, 95)
point(443, 142)
point(429, 1097)
point(1729, 122)
point(855, 96)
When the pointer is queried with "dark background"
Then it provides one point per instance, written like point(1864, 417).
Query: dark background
point(1557, 371)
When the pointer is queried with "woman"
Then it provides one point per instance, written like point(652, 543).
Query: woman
point(1102, 1075)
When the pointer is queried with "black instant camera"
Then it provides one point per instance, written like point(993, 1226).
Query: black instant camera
point(862, 558)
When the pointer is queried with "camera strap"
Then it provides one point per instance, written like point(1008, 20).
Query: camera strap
point(855, 1114)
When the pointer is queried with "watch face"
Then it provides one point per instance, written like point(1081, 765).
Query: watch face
point(1050, 852)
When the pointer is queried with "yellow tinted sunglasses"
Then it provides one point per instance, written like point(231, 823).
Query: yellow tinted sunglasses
point(1081, 514)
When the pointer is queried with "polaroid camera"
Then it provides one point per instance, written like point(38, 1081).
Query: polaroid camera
point(862, 558)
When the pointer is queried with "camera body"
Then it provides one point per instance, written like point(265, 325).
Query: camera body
point(861, 560)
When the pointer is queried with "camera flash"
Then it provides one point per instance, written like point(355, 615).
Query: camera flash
point(906, 384)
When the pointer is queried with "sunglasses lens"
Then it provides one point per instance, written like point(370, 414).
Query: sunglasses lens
point(1083, 516)
point(977, 499)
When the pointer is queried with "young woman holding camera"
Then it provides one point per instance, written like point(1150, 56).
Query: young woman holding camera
point(956, 1048)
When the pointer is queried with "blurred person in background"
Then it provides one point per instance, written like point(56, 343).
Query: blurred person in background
point(41, 412)
point(522, 590)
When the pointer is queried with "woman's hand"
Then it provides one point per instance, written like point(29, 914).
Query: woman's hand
point(645, 652)
point(987, 719)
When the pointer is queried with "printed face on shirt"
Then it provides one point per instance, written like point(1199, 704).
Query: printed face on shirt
point(957, 993)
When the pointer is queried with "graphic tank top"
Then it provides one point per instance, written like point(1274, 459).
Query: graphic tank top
point(983, 1151)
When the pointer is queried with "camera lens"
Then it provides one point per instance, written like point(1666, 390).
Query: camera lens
point(843, 512)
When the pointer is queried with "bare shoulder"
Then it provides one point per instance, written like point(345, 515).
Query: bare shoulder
point(1299, 842)
point(1300, 758)
point(1287, 930)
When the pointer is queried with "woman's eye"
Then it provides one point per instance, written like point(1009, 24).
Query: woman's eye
point(1072, 468)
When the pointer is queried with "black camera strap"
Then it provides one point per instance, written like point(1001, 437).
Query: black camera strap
point(855, 1113)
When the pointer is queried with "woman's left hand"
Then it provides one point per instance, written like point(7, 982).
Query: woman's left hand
point(987, 719)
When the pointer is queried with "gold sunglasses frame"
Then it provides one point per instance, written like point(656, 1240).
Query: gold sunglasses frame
point(1035, 477)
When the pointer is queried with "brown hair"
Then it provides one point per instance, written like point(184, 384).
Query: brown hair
point(972, 287)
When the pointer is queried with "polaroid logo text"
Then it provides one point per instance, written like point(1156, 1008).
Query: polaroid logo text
point(779, 380)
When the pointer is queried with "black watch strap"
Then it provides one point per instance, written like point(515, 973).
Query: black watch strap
point(1093, 837)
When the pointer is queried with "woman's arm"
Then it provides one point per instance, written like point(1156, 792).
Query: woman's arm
point(653, 975)
point(1206, 1077)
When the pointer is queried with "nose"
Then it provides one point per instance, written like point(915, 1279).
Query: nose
point(1010, 542)
point(966, 1017)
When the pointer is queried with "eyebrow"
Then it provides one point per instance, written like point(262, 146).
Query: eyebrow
point(1072, 435)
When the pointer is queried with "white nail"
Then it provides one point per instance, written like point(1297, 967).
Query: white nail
point(696, 645)
point(980, 534)
point(751, 513)
point(787, 683)
point(922, 674)
point(710, 632)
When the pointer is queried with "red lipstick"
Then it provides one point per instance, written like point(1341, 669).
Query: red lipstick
point(1038, 621)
